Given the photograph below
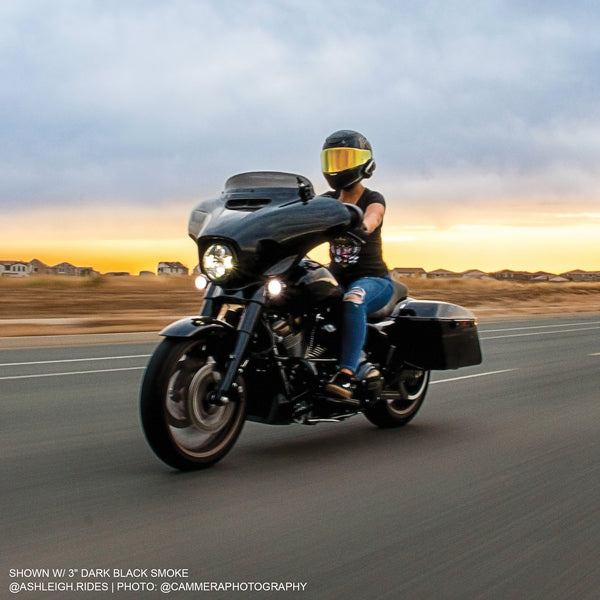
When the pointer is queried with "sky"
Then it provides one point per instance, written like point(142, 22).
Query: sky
point(117, 116)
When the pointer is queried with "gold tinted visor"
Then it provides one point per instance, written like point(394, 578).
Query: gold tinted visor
point(334, 160)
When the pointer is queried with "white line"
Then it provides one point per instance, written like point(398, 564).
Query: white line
point(69, 373)
point(71, 360)
point(471, 376)
point(37, 375)
point(542, 326)
point(595, 354)
point(512, 335)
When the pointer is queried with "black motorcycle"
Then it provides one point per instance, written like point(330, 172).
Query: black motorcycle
point(267, 338)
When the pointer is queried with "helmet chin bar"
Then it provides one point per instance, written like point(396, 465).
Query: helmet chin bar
point(345, 180)
point(349, 187)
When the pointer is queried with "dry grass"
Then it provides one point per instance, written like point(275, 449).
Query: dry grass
point(114, 304)
point(70, 296)
point(97, 305)
point(488, 294)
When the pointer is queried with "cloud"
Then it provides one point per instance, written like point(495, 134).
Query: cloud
point(144, 101)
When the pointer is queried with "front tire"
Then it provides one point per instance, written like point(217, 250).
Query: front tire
point(181, 426)
point(401, 399)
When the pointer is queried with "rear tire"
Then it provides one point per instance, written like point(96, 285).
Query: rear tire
point(400, 400)
point(181, 426)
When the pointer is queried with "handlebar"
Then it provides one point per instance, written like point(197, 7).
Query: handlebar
point(356, 215)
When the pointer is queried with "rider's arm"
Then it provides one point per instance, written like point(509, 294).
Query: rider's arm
point(373, 216)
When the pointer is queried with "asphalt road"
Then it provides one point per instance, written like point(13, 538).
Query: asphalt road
point(493, 491)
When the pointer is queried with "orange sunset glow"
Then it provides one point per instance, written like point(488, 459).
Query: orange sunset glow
point(133, 239)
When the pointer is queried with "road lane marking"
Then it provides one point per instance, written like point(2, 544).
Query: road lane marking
point(37, 375)
point(542, 326)
point(513, 335)
point(471, 376)
point(72, 360)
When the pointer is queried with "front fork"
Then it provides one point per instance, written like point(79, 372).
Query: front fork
point(245, 329)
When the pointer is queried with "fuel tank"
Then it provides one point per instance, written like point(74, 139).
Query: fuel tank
point(315, 283)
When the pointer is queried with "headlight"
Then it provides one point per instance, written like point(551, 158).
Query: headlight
point(274, 287)
point(201, 282)
point(218, 262)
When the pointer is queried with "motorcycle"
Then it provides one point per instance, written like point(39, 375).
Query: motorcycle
point(267, 337)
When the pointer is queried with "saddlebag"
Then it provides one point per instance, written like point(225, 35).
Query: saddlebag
point(435, 335)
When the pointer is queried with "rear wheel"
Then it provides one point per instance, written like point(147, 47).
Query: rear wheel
point(183, 428)
point(401, 399)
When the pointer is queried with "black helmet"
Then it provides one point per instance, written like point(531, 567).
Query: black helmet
point(346, 158)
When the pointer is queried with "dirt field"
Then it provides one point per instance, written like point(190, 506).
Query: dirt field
point(54, 305)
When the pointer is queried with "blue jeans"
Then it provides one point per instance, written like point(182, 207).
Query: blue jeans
point(363, 296)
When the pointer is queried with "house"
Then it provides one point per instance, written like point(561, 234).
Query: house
point(14, 268)
point(442, 274)
point(513, 275)
point(414, 272)
point(579, 275)
point(39, 268)
point(65, 268)
point(541, 276)
point(474, 274)
point(171, 268)
point(504, 274)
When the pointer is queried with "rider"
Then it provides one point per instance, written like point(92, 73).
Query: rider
point(347, 159)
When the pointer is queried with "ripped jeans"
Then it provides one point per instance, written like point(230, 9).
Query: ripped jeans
point(363, 296)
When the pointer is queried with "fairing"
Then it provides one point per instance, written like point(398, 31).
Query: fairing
point(268, 216)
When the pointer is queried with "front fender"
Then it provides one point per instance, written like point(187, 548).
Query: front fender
point(189, 327)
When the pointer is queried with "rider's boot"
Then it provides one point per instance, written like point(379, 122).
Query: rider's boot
point(340, 385)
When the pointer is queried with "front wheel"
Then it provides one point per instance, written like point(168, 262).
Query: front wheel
point(400, 400)
point(183, 428)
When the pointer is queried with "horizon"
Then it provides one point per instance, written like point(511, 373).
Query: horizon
point(458, 248)
point(134, 238)
point(317, 256)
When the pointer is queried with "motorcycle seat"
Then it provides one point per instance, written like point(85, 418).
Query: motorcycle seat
point(400, 293)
